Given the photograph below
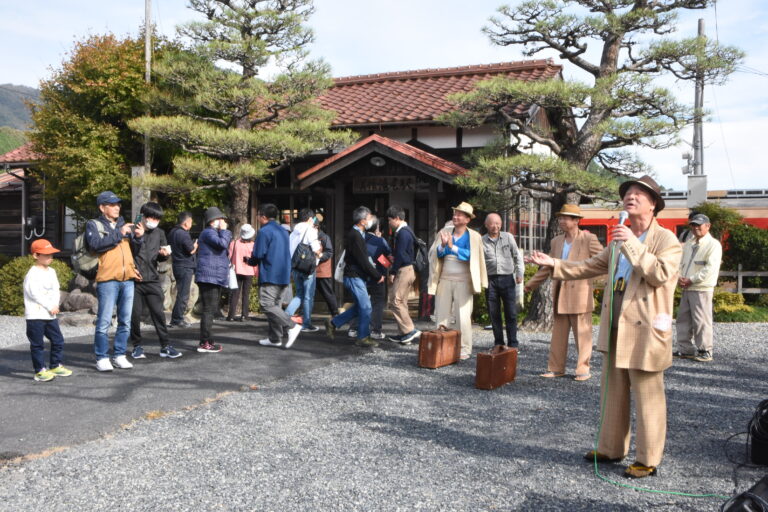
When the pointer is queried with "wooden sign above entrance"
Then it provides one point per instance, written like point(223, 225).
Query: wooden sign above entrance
point(379, 184)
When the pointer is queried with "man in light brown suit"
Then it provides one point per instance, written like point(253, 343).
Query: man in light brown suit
point(573, 301)
point(635, 326)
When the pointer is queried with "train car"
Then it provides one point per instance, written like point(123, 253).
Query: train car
point(751, 204)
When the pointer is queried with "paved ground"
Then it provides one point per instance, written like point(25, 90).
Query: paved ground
point(374, 432)
point(90, 404)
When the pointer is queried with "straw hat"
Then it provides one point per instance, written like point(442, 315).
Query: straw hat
point(465, 207)
point(650, 185)
point(570, 210)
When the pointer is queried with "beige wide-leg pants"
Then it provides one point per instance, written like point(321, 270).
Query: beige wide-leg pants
point(581, 324)
point(454, 298)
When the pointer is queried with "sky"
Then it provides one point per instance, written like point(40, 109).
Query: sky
point(360, 37)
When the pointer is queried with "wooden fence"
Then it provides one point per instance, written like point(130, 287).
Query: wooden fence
point(739, 275)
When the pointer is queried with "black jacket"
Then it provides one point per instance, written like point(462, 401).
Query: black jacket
point(145, 255)
point(357, 263)
point(181, 248)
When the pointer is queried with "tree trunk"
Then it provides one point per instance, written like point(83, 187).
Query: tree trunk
point(539, 317)
point(240, 195)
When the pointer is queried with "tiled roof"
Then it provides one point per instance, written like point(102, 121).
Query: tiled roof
point(419, 96)
point(20, 154)
point(437, 163)
point(8, 179)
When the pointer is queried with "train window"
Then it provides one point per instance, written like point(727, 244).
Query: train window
point(601, 232)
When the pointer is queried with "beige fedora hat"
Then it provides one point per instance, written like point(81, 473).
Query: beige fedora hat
point(465, 207)
point(571, 210)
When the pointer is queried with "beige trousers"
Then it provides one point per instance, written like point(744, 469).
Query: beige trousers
point(398, 298)
point(650, 407)
point(694, 321)
point(581, 324)
point(454, 298)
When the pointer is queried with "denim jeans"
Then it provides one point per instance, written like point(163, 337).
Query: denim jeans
point(361, 310)
point(36, 331)
point(183, 276)
point(305, 296)
point(501, 288)
point(111, 293)
point(378, 294)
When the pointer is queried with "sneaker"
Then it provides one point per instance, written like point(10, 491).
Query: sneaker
point(704, 356)
point(406, 339)
point(297, 319)
point(395, 337)
point(351, 333)
point(488, 328)
point(311, 328)
point(680, 355)
point(183, 324)
point(366, 342)
point(330, 329)
point(464, 357)
point(60, 371)
point(122, 362)
point(44, 375)
point(138, 352)
point(378, 335)
point(169, 352)
point(207, 346)
point(103, 365)
point(293, 333)
point(266, 343)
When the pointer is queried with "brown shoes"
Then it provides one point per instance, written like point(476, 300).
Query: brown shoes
point(637, 470)
point(591, 455)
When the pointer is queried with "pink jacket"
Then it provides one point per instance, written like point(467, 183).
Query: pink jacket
point(239, 250)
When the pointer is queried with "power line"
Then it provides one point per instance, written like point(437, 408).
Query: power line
point(722, 136)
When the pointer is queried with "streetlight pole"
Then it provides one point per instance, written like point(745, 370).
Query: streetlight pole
point(139, 194)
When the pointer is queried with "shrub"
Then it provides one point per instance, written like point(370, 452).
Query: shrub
point(12, 282)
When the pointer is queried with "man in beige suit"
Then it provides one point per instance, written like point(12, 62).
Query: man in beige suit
point(573, 301)
point(457, 271)
point(635, 326)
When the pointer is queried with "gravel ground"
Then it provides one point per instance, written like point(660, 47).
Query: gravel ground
point(377, 433)
point(14, 329)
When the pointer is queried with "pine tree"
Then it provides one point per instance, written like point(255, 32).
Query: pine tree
point(234, 125)
point(593, 122)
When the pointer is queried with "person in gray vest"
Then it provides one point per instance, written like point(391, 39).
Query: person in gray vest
point(505, 268)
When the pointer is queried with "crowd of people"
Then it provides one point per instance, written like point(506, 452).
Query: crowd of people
point(646, 263)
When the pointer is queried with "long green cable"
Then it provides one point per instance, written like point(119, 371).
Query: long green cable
point(606, 371)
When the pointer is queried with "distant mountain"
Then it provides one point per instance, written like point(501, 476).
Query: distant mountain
point(13, 110)
point(10, 139)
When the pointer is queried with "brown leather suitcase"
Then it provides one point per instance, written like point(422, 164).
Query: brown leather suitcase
point(496, 368)
point(439, 348)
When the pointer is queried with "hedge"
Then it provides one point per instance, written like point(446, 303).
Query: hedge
point(12, 282)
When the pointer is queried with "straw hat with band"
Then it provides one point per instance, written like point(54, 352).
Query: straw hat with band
point(465, 208)
point(570, 210)
point(649, 185)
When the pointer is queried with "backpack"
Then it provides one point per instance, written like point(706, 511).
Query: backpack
point(85, 261)
point(421, 254)
point(303, 259)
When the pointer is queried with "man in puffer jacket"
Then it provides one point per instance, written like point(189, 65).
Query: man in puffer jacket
point(212, 272)
point(110, 237)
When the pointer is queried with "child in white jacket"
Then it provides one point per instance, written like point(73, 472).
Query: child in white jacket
point(41, 305)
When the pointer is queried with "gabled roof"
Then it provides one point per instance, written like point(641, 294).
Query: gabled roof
point(419, 159)
point(22, 154)
point(410, 97)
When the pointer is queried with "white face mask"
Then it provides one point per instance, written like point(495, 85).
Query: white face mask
point(216, 224)
point(151, 224)
point(368, 224)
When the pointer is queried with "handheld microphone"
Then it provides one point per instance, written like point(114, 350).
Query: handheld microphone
point(623, 216)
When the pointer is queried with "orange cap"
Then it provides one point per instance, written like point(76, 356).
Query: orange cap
point(42, 246)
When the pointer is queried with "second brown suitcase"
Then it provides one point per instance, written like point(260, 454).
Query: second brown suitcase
point(496, 368)
point(439, 348)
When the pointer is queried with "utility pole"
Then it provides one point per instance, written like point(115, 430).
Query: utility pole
point(139, 195)
point(697, 180)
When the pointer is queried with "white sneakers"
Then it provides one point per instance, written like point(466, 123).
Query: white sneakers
point(103, 365)
point(266, 343)
point(293, 333)
point(122, 362)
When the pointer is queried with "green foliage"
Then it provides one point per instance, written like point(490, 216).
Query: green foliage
point(11, 139)
point(12, 277)
point(746, 245)
point(80, 125)
point(233, 126)
point(253, 298)
point(757, 314)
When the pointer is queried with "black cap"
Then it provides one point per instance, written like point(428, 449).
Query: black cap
point(699, 219)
